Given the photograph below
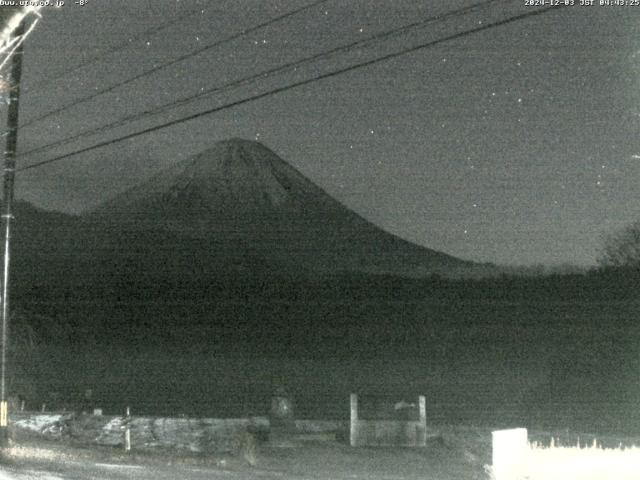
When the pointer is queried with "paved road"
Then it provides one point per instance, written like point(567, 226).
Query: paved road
point(108, 471)
point(454, 457)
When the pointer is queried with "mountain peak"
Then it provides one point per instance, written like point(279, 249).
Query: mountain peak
point(242, 175)
point(240, 193)
point(238, 150)
point(235, 176)
point(238, 142)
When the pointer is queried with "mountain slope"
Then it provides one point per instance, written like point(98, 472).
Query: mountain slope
point(241, 198)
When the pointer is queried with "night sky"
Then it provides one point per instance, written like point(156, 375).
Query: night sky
point(515, 145)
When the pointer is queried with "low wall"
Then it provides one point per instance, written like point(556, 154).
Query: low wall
point(321, 426)
point(202, 435)
point(404, 433)
point(389, 433)
point(147, 433)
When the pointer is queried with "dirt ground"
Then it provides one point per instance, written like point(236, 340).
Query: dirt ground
point(458, 453)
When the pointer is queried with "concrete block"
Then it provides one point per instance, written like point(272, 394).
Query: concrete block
point(510, 453)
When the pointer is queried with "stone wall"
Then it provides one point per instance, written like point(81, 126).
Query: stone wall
point(389, 433)
point(198, 435)
point(321, 426)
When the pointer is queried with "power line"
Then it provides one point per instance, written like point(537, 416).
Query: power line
point(173, 62)
point(266, 73)
point(278, 90)
point(117, 48)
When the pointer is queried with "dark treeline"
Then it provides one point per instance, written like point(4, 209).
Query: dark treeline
point(237, 306)
point(596, 285)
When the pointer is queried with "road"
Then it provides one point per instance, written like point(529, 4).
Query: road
point(110, 471)
point(456, 455)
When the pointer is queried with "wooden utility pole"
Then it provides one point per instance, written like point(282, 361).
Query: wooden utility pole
point(7, 202)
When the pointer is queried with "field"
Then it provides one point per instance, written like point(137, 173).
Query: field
point(540, 364)
point(584, 463)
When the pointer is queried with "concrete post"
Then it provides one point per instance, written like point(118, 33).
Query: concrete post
point(421, 440)
point(127, 431)
point(422, 403)
point(353, 431)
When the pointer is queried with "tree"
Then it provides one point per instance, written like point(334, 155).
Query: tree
point(622, 248)
point(23, 359)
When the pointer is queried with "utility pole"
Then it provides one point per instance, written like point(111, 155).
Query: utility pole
point(7, 200)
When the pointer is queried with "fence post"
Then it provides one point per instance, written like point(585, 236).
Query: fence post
point(422, 408)
point(353, 430)
point(422, 403)
point(127, 431)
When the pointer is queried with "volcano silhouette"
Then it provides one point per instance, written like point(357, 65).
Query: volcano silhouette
point(242, 204)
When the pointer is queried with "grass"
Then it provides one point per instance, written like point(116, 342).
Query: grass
point(590, 463)
point(578, 462)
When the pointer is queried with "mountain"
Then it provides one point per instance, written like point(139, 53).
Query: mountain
point(233, 239)
point(240, 204)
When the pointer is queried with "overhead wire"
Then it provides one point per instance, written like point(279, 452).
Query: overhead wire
point(122, 46)
point(174, 61)
point(381, 36)
point(297, 84)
